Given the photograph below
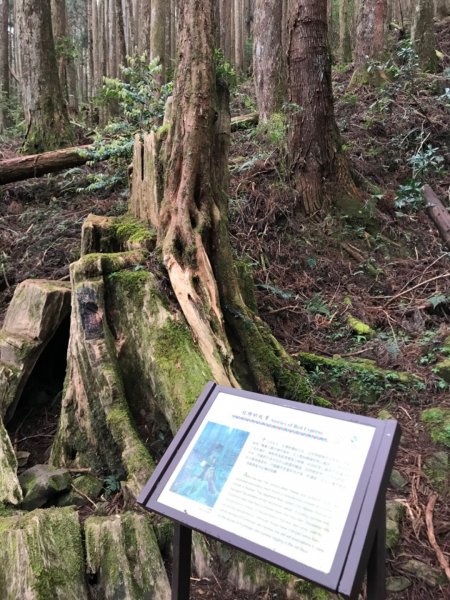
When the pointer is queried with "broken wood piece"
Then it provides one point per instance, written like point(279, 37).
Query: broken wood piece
point(438, 213)
point(244, 121)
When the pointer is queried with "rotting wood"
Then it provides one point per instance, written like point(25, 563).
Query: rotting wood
point(244, 121)
point(438, 213)
point(35, 165)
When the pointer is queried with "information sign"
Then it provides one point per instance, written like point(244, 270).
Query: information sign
point(286, 482)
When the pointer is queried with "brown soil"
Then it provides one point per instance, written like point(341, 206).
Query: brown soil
point(383, 268)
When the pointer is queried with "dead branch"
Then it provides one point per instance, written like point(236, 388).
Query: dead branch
point(438, 213)
point(443, 562)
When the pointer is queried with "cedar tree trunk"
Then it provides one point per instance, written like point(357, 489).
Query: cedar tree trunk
point(193, 221)
point(48, 125)
point(370, 42)
point(318, 168)
point(269, 67)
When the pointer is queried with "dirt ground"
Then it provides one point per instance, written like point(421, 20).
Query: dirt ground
point(388, 268)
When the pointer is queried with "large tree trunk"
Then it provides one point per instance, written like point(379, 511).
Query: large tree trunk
point(319, 170)
point(48, 125)
point(269, 67)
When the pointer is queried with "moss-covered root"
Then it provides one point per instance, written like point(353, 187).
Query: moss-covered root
point(10, 491)
point(123, 555)
point(273, 371)
point(96, 428)
point(363, 378)
point(41, 556)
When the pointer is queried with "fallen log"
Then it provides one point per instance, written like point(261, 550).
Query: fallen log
point(244, 121)
point(438, 213)
point(35, 165)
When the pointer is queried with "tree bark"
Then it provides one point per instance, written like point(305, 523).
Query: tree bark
point(269, 67)
point(438, 213)
point(46, 116)
point(320, 173)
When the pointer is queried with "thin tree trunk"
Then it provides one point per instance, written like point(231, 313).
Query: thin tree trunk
point(269, 68)
point(370, 44)
point(158, 32)
point(345, 30)
point(4, 63)
point(120, 43)
point(423, 37)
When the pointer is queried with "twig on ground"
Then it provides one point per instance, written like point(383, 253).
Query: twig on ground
point(443, 562)
point(83, 495)
point(414, 287)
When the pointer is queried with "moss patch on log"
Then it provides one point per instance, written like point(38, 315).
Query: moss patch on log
point(123, 555)
point(42, 556)
point(437, 423)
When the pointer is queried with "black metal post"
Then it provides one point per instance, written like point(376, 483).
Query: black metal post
point(181, 569)
point(376, 568)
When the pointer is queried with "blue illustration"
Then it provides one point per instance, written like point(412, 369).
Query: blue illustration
point(209, 464)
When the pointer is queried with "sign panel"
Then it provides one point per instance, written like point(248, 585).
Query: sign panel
point(281, 480)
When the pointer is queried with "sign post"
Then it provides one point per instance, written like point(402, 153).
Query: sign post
point(298, 486)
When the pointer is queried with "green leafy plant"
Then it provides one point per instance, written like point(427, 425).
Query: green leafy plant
point(317, 305)
point(139, 100)
point(409, 196)
point(111, 485)
point(426, 160)
point(224, 70)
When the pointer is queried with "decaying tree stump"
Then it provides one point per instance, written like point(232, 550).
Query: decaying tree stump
point(36, 311)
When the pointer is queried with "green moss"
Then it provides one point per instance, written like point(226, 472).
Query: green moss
point(246, 283)
point(132, 282)
point(181, 364)
point(437, 469)
point(365, 380)
point(54, 553)
point(359, 327)
point(437, 423)
point(130, 229)
point(279, 578)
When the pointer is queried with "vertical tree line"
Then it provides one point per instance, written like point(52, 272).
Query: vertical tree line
point(90, 40)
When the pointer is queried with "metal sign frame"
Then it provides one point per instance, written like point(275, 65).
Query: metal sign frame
point(362, 543)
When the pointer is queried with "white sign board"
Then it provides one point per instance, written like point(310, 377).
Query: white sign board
point(283, 479)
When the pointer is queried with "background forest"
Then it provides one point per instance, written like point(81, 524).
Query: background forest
point(262, 191)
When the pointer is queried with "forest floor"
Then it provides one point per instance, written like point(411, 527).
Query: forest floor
point(387, 267)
